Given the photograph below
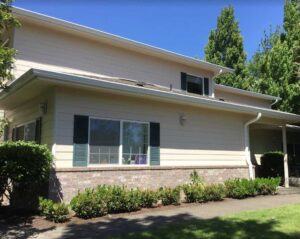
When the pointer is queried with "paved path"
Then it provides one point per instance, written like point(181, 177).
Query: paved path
point(116, 225)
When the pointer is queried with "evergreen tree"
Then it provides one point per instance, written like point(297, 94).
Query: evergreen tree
point(225, 47)
point(7, 22)
point(275, 67)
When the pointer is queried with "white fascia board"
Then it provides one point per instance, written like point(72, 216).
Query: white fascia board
point(71, 80)
point(120, 41)
point(246, 92)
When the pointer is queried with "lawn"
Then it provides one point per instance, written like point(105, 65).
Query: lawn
point(276, 223)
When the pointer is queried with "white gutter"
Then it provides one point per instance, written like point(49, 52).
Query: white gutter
point(275, 102)
point(247, 144)
point(213, 83)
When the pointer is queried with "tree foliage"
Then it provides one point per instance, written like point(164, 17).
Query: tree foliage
point(225, 47)
point(7, 54)
point(275, 67)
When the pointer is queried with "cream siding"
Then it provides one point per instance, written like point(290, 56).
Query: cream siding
point(39, 47)
point(208, 137)
point(242, 99)
point(29, 111)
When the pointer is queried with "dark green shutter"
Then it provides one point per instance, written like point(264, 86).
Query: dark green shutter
point(183, 81)
point(206, 86)
point(14, 134)
point(80, 140)
point(6, 133)
point(154, 143)
point(38, 130)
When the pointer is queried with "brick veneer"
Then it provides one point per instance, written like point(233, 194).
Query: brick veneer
point(65, 183)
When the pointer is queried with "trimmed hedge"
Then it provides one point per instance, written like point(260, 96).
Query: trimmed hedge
point(56, 212)
point(116, 199)
point(204, 193)
point(242, 188)
point(169, 196)
point(27, 166)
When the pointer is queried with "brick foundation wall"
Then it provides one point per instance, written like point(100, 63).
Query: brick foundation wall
point(65, 183)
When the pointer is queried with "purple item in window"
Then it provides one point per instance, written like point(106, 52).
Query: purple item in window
point(140, 159)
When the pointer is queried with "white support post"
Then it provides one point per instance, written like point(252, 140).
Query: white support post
point(285, 158)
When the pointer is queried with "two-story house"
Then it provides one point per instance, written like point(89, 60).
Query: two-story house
point(116, 111)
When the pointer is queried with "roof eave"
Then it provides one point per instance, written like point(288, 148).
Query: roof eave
point(246, 92)
point(67, 79)
point(121, 41)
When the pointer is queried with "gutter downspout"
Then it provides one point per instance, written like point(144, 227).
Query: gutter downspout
point(247, 144)
point(213, 83)
point(274, 103)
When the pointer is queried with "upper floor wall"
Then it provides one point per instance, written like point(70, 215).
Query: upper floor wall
point(42, 44)
point(44, 48)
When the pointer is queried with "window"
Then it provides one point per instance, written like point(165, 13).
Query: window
point(25, 132)
point(194, 84)
point(135, 143)
point(118, 142)
point(104, 141)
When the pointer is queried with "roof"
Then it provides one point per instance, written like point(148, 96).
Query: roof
point(123, 86)
point(115, 40)
point(245, 92)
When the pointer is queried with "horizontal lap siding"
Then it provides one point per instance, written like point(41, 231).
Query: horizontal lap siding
point(29, 111)
point(52, 50)
point(208, 137)
point(242, 99)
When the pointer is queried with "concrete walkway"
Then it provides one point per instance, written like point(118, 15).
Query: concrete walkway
point(118, 225)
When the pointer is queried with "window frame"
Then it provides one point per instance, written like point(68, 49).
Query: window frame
point(24, 124)
point(120, 161)
point(203, 87)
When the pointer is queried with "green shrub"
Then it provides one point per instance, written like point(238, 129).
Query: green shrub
point(267, 186)
point(89, 204)
point(56, 212)
point(148, 198)
point(271, 165)
point(201, 193)
point(122, 199)
point(193, 192)
point(195, 178)
point(27, 165)
point(169, 196)
point(240, 188)
point(213, 192)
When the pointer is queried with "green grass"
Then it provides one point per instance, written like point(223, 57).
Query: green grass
point(276, 223)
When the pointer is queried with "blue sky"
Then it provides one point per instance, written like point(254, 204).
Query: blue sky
point(179, 26)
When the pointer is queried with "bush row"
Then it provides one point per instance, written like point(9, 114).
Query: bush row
point(242, 188)
point(117, 199)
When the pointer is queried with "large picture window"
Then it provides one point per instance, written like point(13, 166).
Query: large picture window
point(118, 142)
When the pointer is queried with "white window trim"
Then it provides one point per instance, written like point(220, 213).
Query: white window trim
point(210, 93)
point(120, 164)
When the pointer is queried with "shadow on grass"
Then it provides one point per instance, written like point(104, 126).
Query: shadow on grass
point(183, 226)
